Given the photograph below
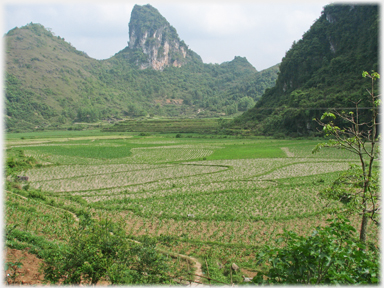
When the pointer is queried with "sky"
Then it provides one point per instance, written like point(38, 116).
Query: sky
point(261, 31)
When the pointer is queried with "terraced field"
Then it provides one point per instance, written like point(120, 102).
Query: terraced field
point(219, 197)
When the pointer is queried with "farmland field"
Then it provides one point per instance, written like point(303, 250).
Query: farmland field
point(221, 198)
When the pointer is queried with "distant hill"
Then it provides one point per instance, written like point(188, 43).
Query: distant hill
point(47, 79)
point(50, 84)
point(322, 70)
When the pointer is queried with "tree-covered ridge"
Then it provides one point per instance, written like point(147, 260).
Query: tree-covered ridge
point(50, 84)
point(321, 70)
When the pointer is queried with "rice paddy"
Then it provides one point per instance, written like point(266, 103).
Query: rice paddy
point(209, 193)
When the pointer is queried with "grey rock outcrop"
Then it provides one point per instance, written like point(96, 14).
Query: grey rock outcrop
point(155, 42)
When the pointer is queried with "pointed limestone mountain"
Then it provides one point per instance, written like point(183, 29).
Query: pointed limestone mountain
point(154, 42)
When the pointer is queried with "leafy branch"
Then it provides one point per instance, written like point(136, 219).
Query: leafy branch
point(360, 138)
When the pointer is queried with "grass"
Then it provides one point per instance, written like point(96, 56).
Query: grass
point(98, 149)
point(106, 152)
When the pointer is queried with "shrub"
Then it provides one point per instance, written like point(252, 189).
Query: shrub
point(36, 195)
point(279, 135)
point(329, 256)
point(99, 249)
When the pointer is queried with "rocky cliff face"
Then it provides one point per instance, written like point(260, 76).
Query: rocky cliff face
point(155, 42)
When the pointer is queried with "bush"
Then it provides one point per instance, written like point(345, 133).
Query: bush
point(36, 195)
point(18, 162)
point(99, 249)
point(329, 256)
point(279, 135)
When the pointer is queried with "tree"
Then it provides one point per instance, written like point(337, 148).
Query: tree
point(245, 103)
point(360, 138)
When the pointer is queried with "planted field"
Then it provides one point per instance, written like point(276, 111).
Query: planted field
point(226, 196)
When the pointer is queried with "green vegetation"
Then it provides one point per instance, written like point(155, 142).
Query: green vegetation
point(360, 138)
point(148, 25)
point(16, 162)
point(86, 90)
point(147, 18)
point(100, 249)
point(13, 266)
point(331, 255)
point(320, 72)
point(205, 197)
point(81, 149)
point(126, 201)
point(249, 151)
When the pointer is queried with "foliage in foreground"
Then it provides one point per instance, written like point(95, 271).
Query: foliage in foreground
point(348, 187)
point(100, 250)
point(331, 255)
point(362, 139)
point(16, 162)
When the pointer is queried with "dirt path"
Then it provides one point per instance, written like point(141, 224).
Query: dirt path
point(197, 264)
point(289, 153)
point(198, 271)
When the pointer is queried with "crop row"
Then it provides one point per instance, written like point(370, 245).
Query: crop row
point(242, 231)
point(305, 169)
point(143, 191)
point(168, 179)
point(161, 154)
point(70, 171)
point(33, 216)
point(229, 205)
point(122, 178)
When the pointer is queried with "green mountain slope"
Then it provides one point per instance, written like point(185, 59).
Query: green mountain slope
point(49, 84)
point(47, 79)
point(322, 70)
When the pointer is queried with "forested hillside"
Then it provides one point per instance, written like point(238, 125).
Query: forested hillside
point(50, 85)
point(322, 70)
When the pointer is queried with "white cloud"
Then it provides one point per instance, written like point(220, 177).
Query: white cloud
point(225, 20)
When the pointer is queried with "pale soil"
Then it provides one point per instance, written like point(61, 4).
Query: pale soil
point(286, 150)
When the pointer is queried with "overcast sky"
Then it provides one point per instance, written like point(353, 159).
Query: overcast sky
point(261, 31)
